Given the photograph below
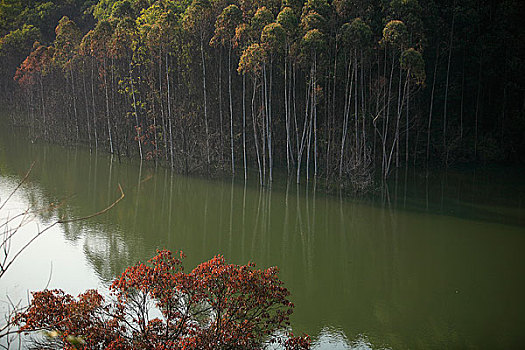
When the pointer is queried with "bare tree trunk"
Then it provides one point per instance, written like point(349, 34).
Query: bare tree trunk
point(446, 88)
point(86, 102)
point(332, 116)
point(432, 103)
point(263, 112)
point(294, 91)
point(399, 111)
point(162, 116)
point(300, 147)
point(363, 108)
point(407, 121)
point(231, 106)
point(205, 103)
point(255, 131)
point(477, 107)
point(168, 102)
point(462, 98)
point(315, 115)
point(268, 114)
point(395, 143)
point(310, 128)
point(348, 99)
point(244, 125)
point(287, 114)
point(219, 84)
point(137, 126)
point(356, 112)
point(107, 108)
point(43, 105)
point(93, 102)
point(385, 157)
point(74, 101)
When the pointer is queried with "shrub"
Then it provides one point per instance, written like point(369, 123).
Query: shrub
point(215, 306)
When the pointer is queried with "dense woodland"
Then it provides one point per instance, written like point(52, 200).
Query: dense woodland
point(348, 90)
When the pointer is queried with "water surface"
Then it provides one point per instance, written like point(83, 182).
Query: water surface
point(432, 261)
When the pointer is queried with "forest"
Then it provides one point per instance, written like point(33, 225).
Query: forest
point(346, 90)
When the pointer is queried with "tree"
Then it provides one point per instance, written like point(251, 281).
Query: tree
point(137, 60)
point(251, 62)
point(215, 306)
point(225, 27)
point(196, 21)
point(272, 39)
point(395, 37)
point(67, 44)
point(289, 22)
point(411, 61)
point(11, 226)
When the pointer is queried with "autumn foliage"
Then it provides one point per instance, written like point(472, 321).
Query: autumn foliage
point(159, 306)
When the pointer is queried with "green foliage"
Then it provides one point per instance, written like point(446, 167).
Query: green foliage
point(348, 9)
point(41, 14)
point(295, 5)
point(124, 39)
point(314, 41)
point(412, 61)
point(122, 9)
point(102, 9)
point(243, 36)
point(18, 42)
point(68, 38)
point(226, 24)
point(409, 11)
point(395, 34)
point(262, 17)
point(106, 9)
point(313, 20)
point(158, 39)
point(9, 12)
point(356, 34)
point(273, 38)
point(160, 24)
point(322, 7)
point(288, 20)
point(197, 16)
point(101, 38)
point(252, 60)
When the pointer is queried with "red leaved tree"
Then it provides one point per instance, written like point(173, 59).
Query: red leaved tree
point(159, 306)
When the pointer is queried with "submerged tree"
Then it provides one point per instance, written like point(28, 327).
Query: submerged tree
point(134, 85)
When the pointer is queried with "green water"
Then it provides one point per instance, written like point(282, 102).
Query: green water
point(430, 262)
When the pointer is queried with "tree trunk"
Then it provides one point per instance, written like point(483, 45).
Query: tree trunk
point(137, 125)
point(93, 102)
point(348, 99)
point(107, 108)
point(86, 102)
point(286, 115)
point(244, 125)
point(231, 106)
point(446, 88)
point(205, 103)
point(255, 131)
point(74, 101)
point(432, 104)
point(168, 102)
point(477, 107)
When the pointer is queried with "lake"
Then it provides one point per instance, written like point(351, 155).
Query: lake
point(433, 260)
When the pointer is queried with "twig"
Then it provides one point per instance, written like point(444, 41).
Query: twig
point(18, 186)
point(63, 221)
